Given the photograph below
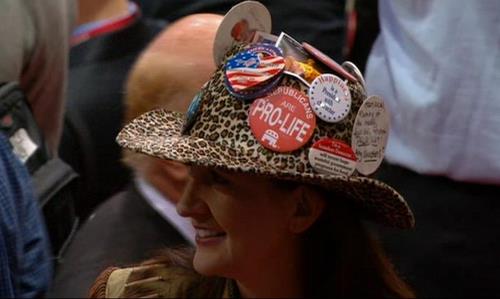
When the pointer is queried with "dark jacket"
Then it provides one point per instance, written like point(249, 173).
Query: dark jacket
point(124, 230)
point(94, 116)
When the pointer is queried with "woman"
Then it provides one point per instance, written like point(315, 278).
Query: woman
point(270, 222)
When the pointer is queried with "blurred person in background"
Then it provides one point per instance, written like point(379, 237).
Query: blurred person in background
point(108, 39)
point(34, 52)
point(362, 28)
point(437, 63)
point(25, 257)
point(128, 227)
point(34, 37)
point(320, 22)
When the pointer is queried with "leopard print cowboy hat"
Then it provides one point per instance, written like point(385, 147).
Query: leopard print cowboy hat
point(219, 135)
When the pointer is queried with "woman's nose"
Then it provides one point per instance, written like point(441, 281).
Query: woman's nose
point(191, 204)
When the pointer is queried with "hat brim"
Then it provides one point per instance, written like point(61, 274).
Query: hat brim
point(158, 133)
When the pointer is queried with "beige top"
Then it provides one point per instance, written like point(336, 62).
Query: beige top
point(159, 281)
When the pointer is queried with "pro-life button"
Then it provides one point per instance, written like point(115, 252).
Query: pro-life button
point(282, 121)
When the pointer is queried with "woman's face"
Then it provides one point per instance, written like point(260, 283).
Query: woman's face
point(241, 221)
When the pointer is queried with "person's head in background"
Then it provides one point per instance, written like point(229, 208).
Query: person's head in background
point(168, 74)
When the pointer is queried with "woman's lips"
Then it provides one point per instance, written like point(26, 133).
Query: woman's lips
point(205, 236)
point(207, 233)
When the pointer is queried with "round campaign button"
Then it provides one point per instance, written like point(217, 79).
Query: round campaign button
point(265, 49)
point(332, 64)
point(192, 112)
point(239, 25)
point(370, 134)
point(247, 69)
point(332, 157)
point(283, 120)
point(353, 69)
point(330, 98)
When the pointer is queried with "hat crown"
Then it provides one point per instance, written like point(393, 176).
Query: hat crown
point(223, 119)
point(219, 135)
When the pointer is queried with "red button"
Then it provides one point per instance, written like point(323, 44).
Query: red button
point(283, 120)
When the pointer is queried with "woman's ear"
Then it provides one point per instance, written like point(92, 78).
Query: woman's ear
point(309, 204)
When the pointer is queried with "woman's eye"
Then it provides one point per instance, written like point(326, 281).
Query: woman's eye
point(217, 179)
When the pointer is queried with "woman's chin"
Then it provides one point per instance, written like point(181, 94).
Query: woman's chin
point(208, 263)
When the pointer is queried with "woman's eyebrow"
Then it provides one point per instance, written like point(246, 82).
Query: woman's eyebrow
point(221, 172)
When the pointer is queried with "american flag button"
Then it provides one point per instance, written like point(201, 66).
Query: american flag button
point(252, 69)
point(255, 92)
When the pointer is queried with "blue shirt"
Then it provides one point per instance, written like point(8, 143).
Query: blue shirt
point(437, 64)
point(25, 260)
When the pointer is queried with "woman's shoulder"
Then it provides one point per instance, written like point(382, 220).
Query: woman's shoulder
point(156, 280)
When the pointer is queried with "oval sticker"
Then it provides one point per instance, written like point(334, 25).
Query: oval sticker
point(283, 120)
point(370, 133)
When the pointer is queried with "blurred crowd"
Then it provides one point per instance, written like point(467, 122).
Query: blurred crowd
point(72, 73)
